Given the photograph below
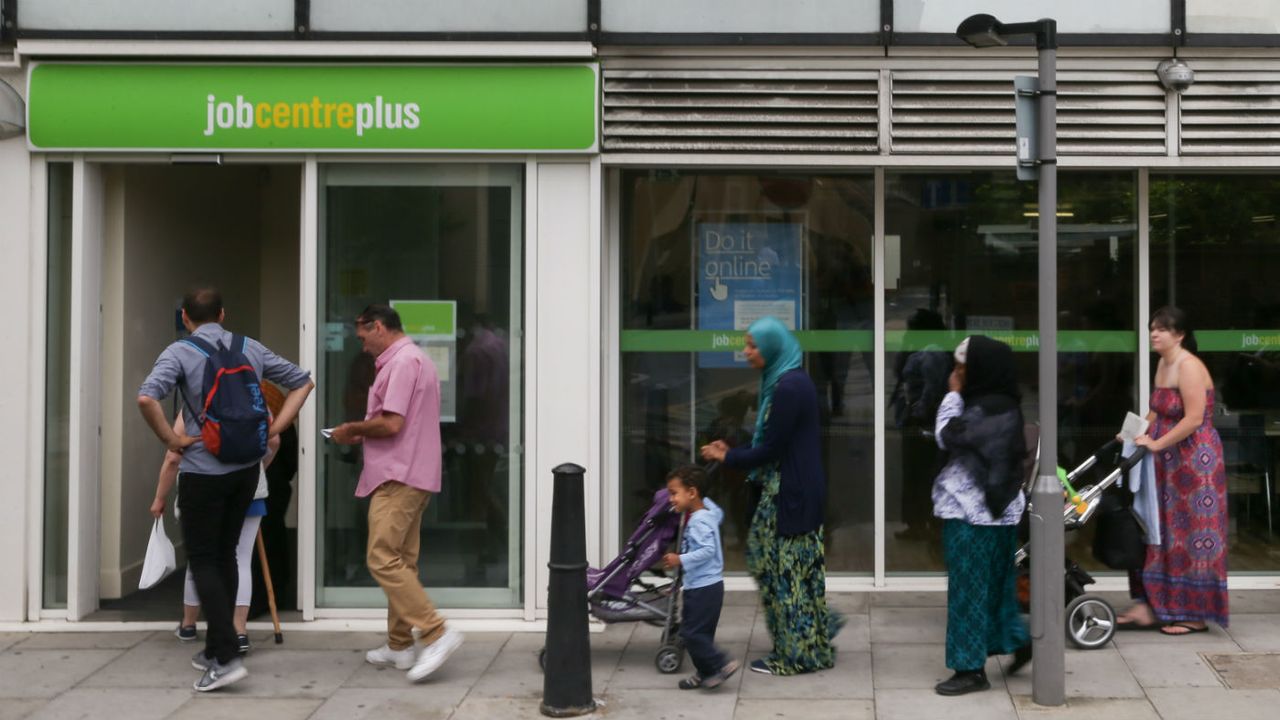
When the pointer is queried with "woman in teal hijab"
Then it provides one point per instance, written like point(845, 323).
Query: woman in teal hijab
point(785, 550)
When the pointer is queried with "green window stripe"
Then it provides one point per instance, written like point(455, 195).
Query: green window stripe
point(1111, 341)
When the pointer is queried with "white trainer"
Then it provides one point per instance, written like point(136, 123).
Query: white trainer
point(434, 655)
point(401, 659)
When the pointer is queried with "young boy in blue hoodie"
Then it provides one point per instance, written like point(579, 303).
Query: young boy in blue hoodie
point(703, 562)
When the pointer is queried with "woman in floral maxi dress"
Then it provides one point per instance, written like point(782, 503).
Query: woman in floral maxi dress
point(1184, 581)
point(785, 551)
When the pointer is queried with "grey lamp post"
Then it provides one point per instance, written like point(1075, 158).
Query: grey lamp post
point(1047, 589)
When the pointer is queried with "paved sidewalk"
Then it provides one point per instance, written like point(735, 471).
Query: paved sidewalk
point(890, 655)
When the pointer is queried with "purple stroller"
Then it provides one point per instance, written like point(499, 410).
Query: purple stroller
point(619, 592)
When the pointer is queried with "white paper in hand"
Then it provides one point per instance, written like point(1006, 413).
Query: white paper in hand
point(1133, 426)
point(327, 432)
point(160, 559)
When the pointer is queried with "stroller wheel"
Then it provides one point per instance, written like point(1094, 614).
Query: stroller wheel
point(669, 659)
point(1090, 622)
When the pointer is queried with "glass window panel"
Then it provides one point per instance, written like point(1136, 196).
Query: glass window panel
point(1215, 253)
point(730, 16)
point(57, 387)
point(158, 15)
point(1238, 16)
point(449, 16)
point(694, 248)
point(961, 254)
point(439, 233)
point(1080, 16)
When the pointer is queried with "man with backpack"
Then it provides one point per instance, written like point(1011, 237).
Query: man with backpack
point(217, 374)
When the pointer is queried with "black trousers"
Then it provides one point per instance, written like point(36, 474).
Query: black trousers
point(698, 628)
point(212, 511)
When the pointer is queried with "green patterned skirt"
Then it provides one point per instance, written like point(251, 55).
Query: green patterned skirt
point(792, 577)
point(982, 604)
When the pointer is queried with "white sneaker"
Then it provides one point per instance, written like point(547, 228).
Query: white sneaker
point(401, 659)
point(434, 655)
point(219, 675)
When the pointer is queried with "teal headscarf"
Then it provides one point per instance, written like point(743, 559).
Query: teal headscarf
point(781, 352)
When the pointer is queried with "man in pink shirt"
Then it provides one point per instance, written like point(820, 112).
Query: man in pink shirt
point(401, 437)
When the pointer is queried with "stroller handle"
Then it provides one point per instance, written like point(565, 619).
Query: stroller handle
point(1139, 452)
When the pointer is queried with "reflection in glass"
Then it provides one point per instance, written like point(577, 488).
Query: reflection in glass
point(441, 233)
point(1215, 253)
point(961, 258)
point(703, 254)
point(57, 400)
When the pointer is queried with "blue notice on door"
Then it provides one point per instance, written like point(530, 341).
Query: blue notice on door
point(745, 272)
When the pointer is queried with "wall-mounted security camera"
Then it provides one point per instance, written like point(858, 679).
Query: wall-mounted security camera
point(1175, 75)
point(13, 113)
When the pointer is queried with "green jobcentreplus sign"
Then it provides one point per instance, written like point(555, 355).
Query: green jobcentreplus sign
point(226, 107)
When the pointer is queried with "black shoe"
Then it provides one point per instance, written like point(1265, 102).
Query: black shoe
point(242, 644)
point(1021, 657)
point(963, 682)
point(693, 682)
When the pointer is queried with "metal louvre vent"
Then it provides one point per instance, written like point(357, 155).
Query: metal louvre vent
point(660, 110)
point(971, 113)
point(1231, 113)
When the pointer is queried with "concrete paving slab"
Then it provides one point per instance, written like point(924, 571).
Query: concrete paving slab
point(915, 666)
point(488, 708)
point(928, 705)
point(132, 703)
point(1255, 633)
point(224, 705)
point(8, 640)
point(1086, 709)
point(664, 705)
point(1202, 703)
point(1216, 640)
point(85, 641)
point(1159, 665)
point(636, 669)
point(850, 678)
point(850, 602)
point(154, 663)
point(1253, 601)
point(768, 709)
point(311, 640)
point(1100, 673)
point(1247, 671)
point(48, 673)
point(908, 625)
point(20, 708)
point(423, 702)
point(455, 678)
point(909, 599)
point(515, 674)
point(298, 673)
point(854, 637)
point(749, 598)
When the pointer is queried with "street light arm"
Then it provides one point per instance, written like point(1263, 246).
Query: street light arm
point(1045, 30)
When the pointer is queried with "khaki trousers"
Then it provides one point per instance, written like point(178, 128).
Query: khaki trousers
point(395, 523)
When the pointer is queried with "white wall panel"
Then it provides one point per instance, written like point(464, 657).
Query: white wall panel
point(1078, 16)
point(157, 15)
point(566, 347)
point(449, 16)
point(730, 16)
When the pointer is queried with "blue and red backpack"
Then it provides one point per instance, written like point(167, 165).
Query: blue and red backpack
point(233, 421)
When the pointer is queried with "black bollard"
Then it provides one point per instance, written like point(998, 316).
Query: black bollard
point(566, 684)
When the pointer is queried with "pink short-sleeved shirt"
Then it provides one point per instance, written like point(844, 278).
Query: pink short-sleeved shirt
point(406, 385)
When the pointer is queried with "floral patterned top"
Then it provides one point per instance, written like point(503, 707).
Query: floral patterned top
point(955, 494)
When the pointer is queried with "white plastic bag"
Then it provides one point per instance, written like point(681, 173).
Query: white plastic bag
point(160, 559)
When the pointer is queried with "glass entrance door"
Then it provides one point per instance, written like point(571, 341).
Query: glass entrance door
point(446, 242)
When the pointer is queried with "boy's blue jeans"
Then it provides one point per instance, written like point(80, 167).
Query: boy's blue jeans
point(698, 628)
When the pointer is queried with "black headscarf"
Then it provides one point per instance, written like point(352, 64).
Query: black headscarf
point(990, 376)
point(988, 437)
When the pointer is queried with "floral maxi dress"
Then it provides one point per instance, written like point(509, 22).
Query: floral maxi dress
point(1185, 576)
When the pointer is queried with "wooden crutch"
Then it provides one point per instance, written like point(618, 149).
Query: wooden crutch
point(271, 592)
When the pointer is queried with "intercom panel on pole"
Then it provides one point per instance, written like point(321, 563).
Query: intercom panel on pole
point(1026, 98)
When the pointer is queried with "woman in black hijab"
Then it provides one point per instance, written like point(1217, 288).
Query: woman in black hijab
point(978, 496)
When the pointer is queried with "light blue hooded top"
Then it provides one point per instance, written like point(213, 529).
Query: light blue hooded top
point(700, 553)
